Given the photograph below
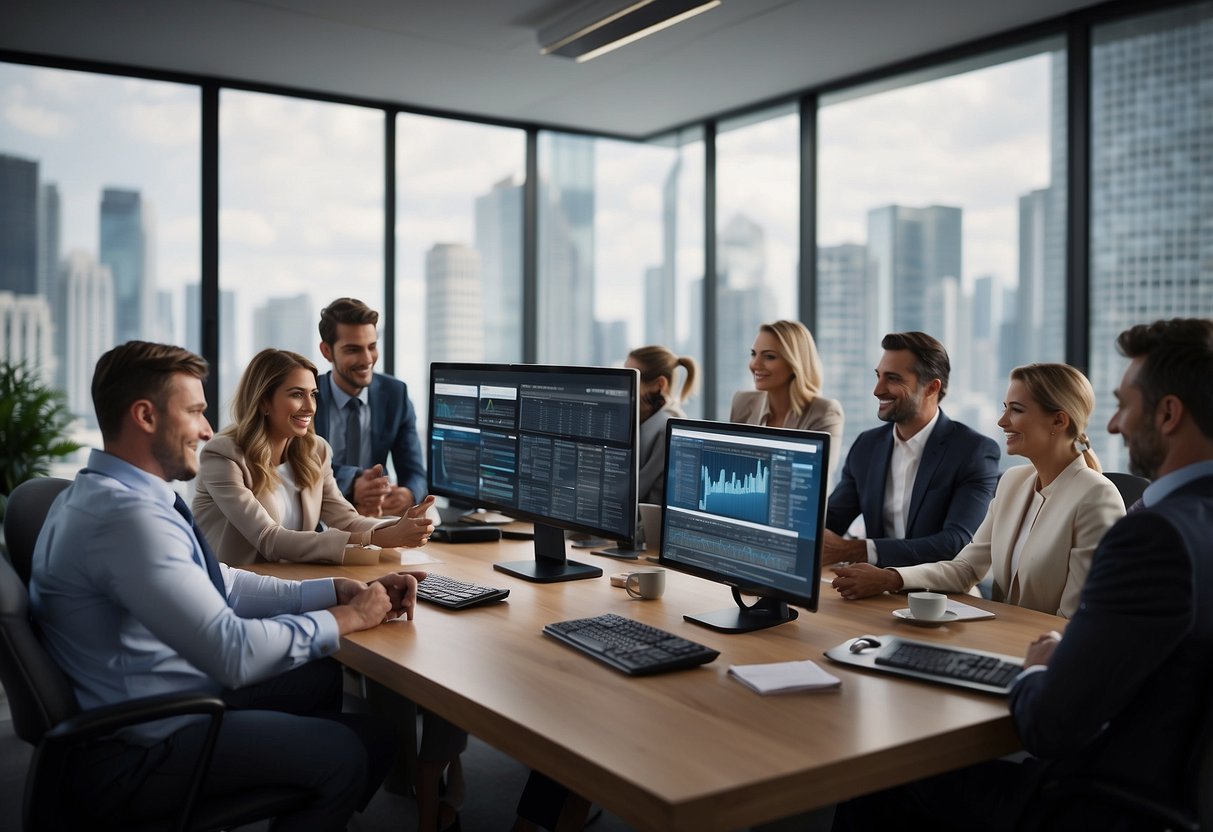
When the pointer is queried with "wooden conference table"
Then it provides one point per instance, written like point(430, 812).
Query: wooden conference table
point(691, 750)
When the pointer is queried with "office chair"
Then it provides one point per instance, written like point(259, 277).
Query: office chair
point(46, 714)
point(23, 518)
point(1130, 486)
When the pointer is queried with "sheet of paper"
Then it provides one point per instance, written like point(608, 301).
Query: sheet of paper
point(783, 677)
point(964, 612)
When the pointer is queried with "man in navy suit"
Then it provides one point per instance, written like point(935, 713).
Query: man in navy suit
point(922, 482)
point(366, 415)
point(1124, 696)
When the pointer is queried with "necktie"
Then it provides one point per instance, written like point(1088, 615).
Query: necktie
point(212, 564)
point(353, 433)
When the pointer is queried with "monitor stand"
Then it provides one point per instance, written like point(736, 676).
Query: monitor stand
point(765, 612)
point(623, 551)
point(550, 564)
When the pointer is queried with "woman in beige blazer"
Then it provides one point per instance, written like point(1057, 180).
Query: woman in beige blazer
point(1045, 519)
point(787, 386)
point(265, 483)
point(266, 492)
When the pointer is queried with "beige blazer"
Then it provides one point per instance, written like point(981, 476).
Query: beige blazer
point(243, 528)
point(750, 408)
point(1080, 505)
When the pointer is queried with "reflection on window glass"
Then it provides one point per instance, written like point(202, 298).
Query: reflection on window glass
point(458, 245)
point(620, 237)
point(1151, 165)
point(942, 209)
point(300, 223)
point(758, 237)
point(99, 229)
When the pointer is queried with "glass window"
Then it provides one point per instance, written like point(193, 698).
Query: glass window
point(1151, 165)
point(458, 245)
point(99, 225)
point(300, 223)
point(942, 208)
point(757, 238)
point(620, 247)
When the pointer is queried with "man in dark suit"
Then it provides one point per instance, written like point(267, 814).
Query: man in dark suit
point(366, 415)
point(922, 482)
point(1125, 694)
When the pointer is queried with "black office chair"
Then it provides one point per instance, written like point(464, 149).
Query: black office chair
point(46, 714)
point(1130, 486)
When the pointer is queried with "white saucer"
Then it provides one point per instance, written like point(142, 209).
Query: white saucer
point(908, 617)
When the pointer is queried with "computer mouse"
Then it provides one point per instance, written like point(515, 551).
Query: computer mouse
point(864, 643)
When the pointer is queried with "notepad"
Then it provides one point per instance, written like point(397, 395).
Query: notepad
point(965, 612)
point(783, 677)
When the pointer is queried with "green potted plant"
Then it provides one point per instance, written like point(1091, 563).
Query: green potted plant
point(33, 428)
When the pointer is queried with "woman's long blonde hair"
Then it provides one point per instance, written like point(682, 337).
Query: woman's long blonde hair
point(1061, 388)
point(798, 348)
point(262, 378)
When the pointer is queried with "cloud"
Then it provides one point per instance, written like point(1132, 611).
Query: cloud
point(248, 227)
point(164, 123)
point(31, 118)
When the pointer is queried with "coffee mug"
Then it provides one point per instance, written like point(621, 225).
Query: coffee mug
point(646, 583)
point(928, 606)
point(650, 521)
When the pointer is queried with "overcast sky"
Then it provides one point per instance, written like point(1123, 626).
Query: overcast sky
point(301, 182)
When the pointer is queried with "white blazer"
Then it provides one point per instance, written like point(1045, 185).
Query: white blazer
point(1080, 505)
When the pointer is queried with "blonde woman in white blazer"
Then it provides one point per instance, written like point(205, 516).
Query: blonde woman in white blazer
point(1045, 519)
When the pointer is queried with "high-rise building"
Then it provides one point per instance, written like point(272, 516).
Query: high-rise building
point(88, 290)
point(611, 343)
point(743, 301)
point(842, 322)
point(566, 248)
point(1151, 204)
point(286, 323)
point(499, 241)
point(124, 249)
point(910, 252)
point(50, 271)
point(18, 225)
point(452, 304)
point(660, 282)
point(27, 334)
point(1041, 297)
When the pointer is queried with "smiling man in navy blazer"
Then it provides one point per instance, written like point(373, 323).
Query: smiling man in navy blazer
point(1123, 697)
point(369, 410)
point(922, 482)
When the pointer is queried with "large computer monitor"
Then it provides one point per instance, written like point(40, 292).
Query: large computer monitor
point(745, 505)
point(553, 445)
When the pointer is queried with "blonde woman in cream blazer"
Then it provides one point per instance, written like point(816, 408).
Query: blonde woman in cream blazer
point(1046, 518)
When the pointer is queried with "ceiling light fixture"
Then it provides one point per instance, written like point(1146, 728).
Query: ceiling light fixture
point(604, 26)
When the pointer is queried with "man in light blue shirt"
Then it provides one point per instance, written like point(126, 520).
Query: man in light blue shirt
point(131, 602)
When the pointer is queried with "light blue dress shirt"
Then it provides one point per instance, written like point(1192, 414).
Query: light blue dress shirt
point(120, 590)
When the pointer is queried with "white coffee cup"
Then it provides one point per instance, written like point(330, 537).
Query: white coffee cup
point(650, 521)
point(645, 583)
point(928, 606)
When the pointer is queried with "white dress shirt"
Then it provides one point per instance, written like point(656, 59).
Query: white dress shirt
point(899, 483)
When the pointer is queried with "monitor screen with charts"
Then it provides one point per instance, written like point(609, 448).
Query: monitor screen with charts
point(553, 445)
point(745, 505)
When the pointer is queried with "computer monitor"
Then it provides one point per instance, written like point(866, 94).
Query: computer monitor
point(745, 505)
point(553, 445)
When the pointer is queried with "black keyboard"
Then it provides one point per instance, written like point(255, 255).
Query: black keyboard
point(948, 665)
point(455, 594)
point(636, 649)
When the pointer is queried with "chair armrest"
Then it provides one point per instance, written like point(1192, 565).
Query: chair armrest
point(99, 722)
point(1113, 794)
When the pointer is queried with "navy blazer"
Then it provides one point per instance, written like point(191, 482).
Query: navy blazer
point(951, 493)
point(393, 430)
point(1129, 686)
